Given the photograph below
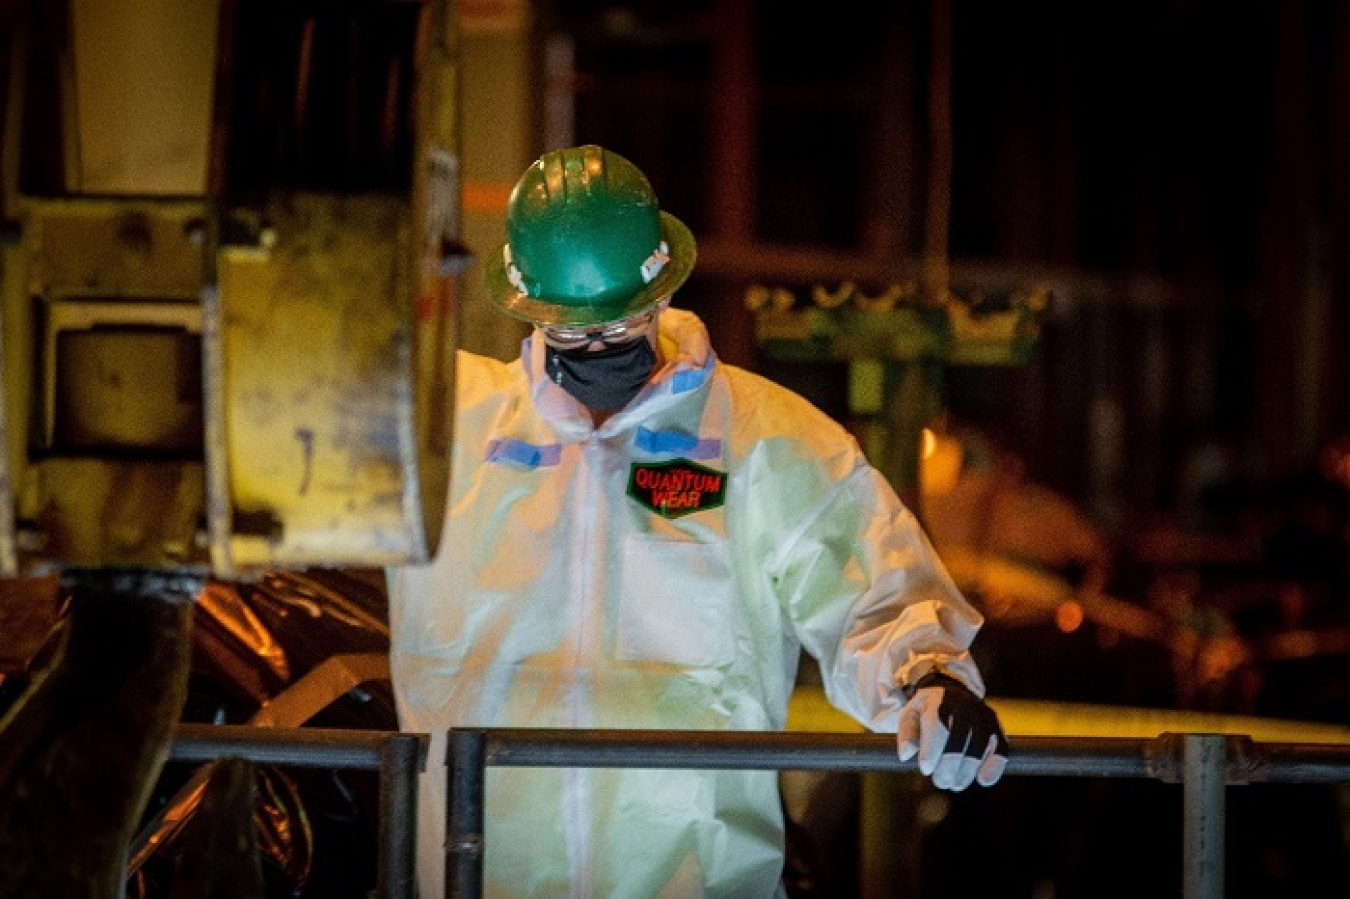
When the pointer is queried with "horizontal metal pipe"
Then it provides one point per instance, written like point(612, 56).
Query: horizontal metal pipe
point(308, 747)
point(1031, 756)
point(534, 747)
point(1082, 757)
point(1300, 763)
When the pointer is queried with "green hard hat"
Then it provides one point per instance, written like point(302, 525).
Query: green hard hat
point(586, 242)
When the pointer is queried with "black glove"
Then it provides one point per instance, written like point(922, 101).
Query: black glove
point(957, 737)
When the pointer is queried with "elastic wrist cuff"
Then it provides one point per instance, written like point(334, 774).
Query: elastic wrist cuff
point(933, 677)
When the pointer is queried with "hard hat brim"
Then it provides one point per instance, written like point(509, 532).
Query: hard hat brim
point(540, 310)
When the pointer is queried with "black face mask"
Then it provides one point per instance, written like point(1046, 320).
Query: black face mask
point(604, 380)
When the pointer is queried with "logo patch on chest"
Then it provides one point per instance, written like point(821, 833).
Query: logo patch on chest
point(672, 489)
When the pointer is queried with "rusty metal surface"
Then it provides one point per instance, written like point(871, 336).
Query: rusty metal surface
point(100, 326)
point(318, 388)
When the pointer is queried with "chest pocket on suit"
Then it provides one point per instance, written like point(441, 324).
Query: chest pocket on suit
point(677, 604)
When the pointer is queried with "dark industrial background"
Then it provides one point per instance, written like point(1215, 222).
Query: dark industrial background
point(1175, 172)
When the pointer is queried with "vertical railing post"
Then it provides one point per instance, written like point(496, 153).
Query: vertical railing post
point(399, 764)
point(467, 764)
point(1204, 767)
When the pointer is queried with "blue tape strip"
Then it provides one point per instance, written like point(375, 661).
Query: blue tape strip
point(658, 442)
point(689, 379)
point(530, 455)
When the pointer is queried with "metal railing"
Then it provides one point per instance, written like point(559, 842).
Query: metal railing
point(398, 757)
point(1204, 764)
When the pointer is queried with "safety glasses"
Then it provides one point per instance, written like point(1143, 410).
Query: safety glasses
point(610, 333)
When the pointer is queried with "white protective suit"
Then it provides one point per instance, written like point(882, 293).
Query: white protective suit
point(563, 597)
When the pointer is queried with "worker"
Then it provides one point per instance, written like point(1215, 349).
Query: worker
point(641, 536)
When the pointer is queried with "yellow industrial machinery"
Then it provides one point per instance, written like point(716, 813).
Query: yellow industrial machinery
point(228, 293)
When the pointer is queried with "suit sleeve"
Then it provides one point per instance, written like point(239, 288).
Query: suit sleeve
point(870, 599)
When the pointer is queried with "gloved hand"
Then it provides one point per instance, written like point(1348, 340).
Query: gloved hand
point(957, 737)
